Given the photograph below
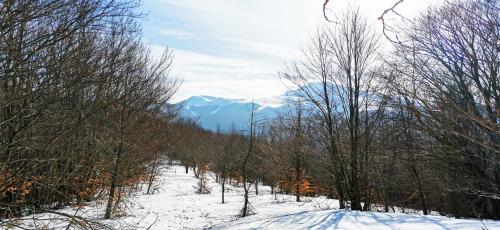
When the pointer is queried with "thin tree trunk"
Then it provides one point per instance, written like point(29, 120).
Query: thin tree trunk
point(150, 183)
point(386, 202)
point(152, 175)
point(244, 212)
point(114, 181)
point(257, 187)
point(223, 178)
point(223, 189)
point(111, 197)
point(245, 204)
point(196, 174)
point(297, 182)
point(118, 199)
point(421, 192)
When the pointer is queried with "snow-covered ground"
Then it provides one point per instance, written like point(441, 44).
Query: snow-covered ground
point(176, 206)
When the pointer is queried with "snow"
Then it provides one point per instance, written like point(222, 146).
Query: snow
point(205, 98)
point(175, 205)
point(270, 102)
point(217, 110)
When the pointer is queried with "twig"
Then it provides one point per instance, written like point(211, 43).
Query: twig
point(324, 11)
point(151, 225)
point(389, 9)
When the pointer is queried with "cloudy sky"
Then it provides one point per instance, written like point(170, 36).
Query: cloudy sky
point(235, 48)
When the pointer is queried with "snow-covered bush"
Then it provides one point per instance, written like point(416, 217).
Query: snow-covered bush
point(202, 187)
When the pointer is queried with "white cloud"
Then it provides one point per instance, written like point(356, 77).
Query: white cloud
point(234, 48)
point(206, 74)
point(235, 89)
point(175, 33)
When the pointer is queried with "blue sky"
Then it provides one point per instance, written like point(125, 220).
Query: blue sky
point(235, 48)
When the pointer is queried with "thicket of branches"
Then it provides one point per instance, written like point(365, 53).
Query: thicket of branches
point(415, 128)
point(83, 104)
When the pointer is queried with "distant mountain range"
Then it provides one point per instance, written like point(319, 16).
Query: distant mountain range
point(213, 112)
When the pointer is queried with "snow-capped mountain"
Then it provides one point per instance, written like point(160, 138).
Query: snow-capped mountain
point(214, 112)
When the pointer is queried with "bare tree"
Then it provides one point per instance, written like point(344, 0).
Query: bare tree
point(252, 129)
point(339, 64)
point(228, 145)
point(448, 77)
point(318, 67)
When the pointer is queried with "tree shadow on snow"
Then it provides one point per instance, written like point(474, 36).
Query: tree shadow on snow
point(333, 219)
point(392, 221)
point(303, 218)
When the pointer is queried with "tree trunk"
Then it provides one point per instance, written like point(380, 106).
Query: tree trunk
point(341, 202)
point(245, 204)
point(118, 199)
point(297, 182)
point(223, 182)
point(420, 191)
point(196, 175)
point(150, 182)
point(387, 199)
point(111, 197)
point(354, 185)
point(244, 211)
point(257, 187)
point(152, 176)
point(341, 195)
point(114, 182)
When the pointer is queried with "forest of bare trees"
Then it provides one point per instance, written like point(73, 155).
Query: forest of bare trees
point(85, 114)
point(83, 103)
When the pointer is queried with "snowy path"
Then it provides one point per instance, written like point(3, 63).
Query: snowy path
point(176, 206)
